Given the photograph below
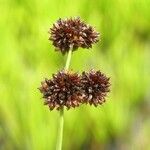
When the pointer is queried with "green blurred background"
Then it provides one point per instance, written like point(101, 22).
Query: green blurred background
point(27, 57)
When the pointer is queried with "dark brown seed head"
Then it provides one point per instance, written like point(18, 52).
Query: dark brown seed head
point(62, 90)
point(72, 33)
point(95, 86)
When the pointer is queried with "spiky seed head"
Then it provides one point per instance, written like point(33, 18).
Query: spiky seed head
point(95, 86)
point(62, 90)
point(72, 33)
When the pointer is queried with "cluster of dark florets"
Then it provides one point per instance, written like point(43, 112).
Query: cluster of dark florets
point(62, 90)
point(68, 89)
point(71, 89)
point(71, 34)
point(95, 87)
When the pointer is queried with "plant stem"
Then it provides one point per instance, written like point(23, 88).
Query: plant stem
point(61, 119)
point(60, 130)
point(68, 59)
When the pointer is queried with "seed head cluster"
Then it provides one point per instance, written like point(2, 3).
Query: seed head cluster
point(71, 89)
point(68, 89)
point(95, 87)
point(62, 90)
point(71, 34)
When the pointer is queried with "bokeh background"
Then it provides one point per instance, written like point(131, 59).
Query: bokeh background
point(27, 57)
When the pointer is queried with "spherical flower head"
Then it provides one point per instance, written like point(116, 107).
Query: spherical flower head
point(71, 34)
point(95, 86)
point(62, 90)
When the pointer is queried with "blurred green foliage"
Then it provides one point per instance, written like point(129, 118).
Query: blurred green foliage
point(27, 57)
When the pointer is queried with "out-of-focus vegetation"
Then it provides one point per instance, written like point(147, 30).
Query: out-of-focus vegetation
point(27, 57)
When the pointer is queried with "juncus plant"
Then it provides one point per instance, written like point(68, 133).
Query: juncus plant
point(66, 88)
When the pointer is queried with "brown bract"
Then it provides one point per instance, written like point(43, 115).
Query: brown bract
point(72, 33)
point(62, 90)
point(95, 86)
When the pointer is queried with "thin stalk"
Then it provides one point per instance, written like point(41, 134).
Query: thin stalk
point(61, 117)
point(60, 130)
point(68, 60)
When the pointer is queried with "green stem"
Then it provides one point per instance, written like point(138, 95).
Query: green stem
point(61, 119)
point(60, 130)
point(68, 59)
